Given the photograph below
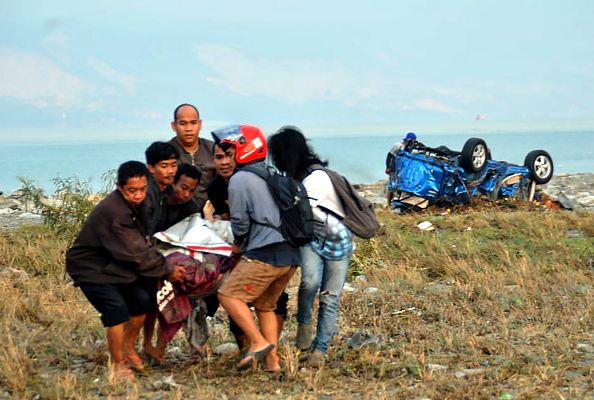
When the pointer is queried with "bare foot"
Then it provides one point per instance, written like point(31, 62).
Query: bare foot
point(132, 360)
point(272, 362)
point(153, 353)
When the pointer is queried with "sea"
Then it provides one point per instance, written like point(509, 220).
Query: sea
point(356, 152)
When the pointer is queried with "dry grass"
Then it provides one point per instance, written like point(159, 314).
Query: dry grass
point(503, 310)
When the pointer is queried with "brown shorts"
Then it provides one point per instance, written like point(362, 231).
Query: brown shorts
point(256, 282)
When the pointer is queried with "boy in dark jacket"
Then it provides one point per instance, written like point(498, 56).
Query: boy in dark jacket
point(110, 261)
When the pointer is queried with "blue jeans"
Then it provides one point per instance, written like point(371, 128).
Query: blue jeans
point(327, 276)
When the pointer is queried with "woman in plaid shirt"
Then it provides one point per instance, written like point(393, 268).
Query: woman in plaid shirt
point(326, 259)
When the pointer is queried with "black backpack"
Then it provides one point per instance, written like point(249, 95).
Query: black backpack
point(359, 215)
point(297, 223)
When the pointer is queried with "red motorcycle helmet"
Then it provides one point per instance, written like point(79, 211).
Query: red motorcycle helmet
point(249, 142)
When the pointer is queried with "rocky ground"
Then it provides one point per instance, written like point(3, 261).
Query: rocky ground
point(574, 192)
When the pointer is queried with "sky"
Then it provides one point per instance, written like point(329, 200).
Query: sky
point(111, 68)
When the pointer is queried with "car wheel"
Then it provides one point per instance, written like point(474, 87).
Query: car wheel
point(540, 164)
point(474, 155)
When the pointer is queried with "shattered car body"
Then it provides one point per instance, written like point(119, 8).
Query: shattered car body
point(426, 175)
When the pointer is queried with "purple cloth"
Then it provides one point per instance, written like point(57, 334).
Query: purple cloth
point(199, 278)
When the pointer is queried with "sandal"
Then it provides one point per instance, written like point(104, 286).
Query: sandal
point(253, 357)
point(197, 356)
point(158, 361)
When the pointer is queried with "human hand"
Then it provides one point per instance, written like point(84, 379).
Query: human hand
point(236, 248)
point(177, 274)
point(388, 171)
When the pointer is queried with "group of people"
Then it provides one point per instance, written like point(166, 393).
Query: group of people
point(116, 265)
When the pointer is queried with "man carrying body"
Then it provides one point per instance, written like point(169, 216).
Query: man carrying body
point(110, 260)
point(225, 164)
point(161, 158)
point(268, 261)
point(193, 149)
point(391, 162)
point(182, 203)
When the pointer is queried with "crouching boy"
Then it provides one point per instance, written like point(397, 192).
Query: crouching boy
point(110, 260)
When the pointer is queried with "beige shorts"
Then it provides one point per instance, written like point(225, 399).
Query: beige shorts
point(256, 282)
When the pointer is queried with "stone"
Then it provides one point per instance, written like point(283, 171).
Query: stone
point(362, 338)
point(30, 215)
point(573, 233)
point(14, 273)
point(573, 375)
point(581, 289)
point(589, 200)
point(585, 347)
point(436, 367)
point(226, 349)
point(566, 202)
point(349, 288)
point(166, 383)
point(468, 372)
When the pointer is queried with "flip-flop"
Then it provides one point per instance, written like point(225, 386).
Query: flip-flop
point(197, 356)
point(158, 362)
point(252, 356)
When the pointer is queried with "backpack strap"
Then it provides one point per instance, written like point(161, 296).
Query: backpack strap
point(264, 175)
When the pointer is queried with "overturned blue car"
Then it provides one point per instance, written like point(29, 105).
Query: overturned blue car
point(426, 175)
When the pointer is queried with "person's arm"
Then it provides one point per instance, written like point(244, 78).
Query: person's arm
point(125, 243)
point(389, 161)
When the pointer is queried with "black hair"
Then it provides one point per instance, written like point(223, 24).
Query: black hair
point(188, 170)
point(131, 169)
point(291, 153)
point(221, 145)
point(183, 105)
point(159, 151)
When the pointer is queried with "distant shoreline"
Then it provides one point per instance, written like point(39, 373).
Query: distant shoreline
point(577, 188)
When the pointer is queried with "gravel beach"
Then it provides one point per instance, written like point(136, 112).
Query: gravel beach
point(574, 191)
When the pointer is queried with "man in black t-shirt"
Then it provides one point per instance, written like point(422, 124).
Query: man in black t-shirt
point(182, 202)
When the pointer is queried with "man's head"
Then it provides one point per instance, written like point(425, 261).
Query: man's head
point(223, 155)
point(248, 140)
point(186, 124)
point(132, 181)
point(161, 158)
point(409, 136)
point(185, 183)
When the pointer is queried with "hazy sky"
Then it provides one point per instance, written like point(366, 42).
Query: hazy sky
point(125, 65)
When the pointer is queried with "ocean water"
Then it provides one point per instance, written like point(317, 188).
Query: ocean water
point(359, 157)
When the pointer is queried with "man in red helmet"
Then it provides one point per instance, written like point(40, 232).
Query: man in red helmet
point(267, 261)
